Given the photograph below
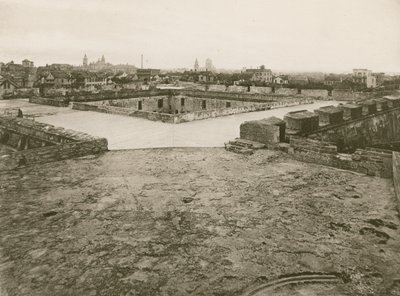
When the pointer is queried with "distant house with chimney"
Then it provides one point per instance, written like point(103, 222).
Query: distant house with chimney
point(260, 75)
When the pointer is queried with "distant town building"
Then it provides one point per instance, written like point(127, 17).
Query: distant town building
point(281, 79)
point(129, 69)
point(261, 74)
point(7, 86)
point(94, 79)
point(380, 78)
point(332, 80)
point(56, 79)
point(206, 77)
point(298, 79)
point(85, 61)
point(196, 66)
point(23, 74)
point(147, 74)
point(364, 77)
point(27, 63)
point(100, 64)
point(209, 65)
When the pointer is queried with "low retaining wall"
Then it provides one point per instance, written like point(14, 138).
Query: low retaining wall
point(373, 162)
point(348, 95)
point(32, 142)
point(57, 102)
point(154, 116)
point(19, 93)
point(247, 97)
point(315, 93)
point(286, 91)
point(217, 87)
point(237, 89)
point(101, 109)
point(198, 115)
point(52, 153)
point(260, 90)
point(122, 94)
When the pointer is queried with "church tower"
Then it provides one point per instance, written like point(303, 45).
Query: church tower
point(196, 66)
point(85, 61)
point(103, 60)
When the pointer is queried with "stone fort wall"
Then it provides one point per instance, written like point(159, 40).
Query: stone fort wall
point(344, 136)
point(32, 142)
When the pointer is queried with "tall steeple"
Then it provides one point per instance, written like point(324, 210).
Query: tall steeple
point(196, 66)
point(85, 61)
point(103, 60)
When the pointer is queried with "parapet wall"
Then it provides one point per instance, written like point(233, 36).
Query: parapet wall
point(350, 126)
point(33, 142)
point(324, 135)
point(316, 93)
point(349, 95)
point(371, 130)
point(248, 97)
point(260, 90)
point(369, 161)
point(287, 91)
point(122, 94)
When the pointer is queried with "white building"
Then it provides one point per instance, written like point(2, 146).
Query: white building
point(364, 77)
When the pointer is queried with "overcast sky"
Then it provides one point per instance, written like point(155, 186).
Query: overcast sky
point(299, 35)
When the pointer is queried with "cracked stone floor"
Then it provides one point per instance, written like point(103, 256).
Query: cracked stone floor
point(194, 221)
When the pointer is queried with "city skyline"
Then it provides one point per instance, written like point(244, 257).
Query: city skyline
point(327, 36)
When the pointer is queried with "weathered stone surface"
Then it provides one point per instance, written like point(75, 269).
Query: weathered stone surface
point(192, 222)
point(329, 115)
point(302, 121)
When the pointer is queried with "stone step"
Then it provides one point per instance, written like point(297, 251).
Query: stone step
point(247, 144)
point(238, 149)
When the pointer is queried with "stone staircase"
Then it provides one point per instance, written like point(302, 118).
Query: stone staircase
point(243, 146)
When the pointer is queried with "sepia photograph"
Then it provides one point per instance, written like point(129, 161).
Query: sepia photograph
point(200, 148)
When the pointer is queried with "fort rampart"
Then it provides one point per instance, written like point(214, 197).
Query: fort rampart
point(30, 142)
